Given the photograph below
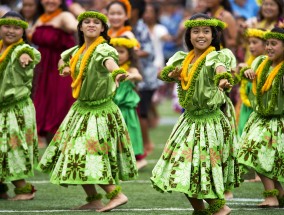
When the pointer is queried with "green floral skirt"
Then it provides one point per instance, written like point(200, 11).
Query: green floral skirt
point(262, 146)
point(199, 158)
point(18, 141)
point(91, 146)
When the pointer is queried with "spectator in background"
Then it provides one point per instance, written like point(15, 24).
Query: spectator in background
point(52, 94)
point(222, 10)
point(149, 73)
point(158, 33)
point(270, 15)
point(30, 11)
point(171, 17)
point(244, 8)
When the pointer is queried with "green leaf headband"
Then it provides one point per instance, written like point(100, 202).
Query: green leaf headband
point(204, 22)
point(274, 35)
point(11, 21)
point(92, 14)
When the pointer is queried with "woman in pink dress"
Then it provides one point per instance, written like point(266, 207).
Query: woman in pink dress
point(52, 33)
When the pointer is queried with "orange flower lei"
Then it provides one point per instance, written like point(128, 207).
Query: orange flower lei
point(44, 18)
point(77, 80)
point(119, 32)
point(5, 53)
point(268, 82)
point(186, 77)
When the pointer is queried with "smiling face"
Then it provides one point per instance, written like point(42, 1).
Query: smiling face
point(256, 46)
point(201, 37)
point(269, 9)
point(91, 27)
point(275, 50)
point(11, 33)
point(116, 15)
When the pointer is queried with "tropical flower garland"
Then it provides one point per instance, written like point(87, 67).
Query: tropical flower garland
point(44, 18)
point(119, 32)
point(6, 56)
point(184, 96)
point(125, 66)
point(128, 43)
point(264, 83)
point(77, 79)
point(244, 83)
point(187, 77)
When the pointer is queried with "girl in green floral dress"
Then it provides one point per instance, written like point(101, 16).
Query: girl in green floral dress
point(18, 136)
point(92, 145)
point(262, 141)
point(199, 158)
point(126, 96)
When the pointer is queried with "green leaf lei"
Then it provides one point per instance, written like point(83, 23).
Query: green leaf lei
point(203, 22)
point(165, 73)
point(17, 22)
point(269, 193)
point(92, 14)
point(217, 205)
point(116, 72)
point(274, 35)
point(26, 50)
point(275, 87)
point(94, 197)
point(223, 75)
point(5, 62)
point(66, 64)
point(242, 73)
point(113, 193)
point(28, 188)
point(185, 96)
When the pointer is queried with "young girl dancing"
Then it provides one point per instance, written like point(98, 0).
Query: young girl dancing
point(92, 145)
point(256, 45)
point(18, 135)
point(198, 159)
point(262, 141)
point(126, 97)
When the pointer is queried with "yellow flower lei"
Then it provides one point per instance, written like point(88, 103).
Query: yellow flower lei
point(125, 66)
point(77, 80)
point(268, 82)
point(5, 53)
point(243, 87)
point(128, 43)
point(186, 77)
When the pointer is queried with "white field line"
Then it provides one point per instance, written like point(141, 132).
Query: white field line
point(126, 210)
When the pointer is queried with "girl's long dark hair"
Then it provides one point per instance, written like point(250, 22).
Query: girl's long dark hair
point(17, 15)
point(126, 23)
point(81, 35)
point(215, 41)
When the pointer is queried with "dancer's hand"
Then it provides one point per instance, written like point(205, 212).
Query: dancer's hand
point(119, 78)
point(25, 59)
point(249, 74)
point(224, 84)
point(65, 72)
point(175, 73)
